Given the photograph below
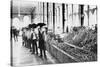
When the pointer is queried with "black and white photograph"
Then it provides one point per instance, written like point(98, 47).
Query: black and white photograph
point(44, 33)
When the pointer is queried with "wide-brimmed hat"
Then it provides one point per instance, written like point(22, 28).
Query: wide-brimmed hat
point(32, 25)
point(41, 24)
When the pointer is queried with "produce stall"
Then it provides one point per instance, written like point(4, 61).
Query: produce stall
point(77, 46)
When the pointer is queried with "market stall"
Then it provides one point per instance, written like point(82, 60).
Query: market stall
point(80, 45)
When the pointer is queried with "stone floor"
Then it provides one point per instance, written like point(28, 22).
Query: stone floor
point(22, 56)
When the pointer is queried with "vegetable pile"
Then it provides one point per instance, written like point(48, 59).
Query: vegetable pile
point(82, 37)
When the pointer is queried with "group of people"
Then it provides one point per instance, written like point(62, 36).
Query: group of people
point(35, 40)
point(14, 33)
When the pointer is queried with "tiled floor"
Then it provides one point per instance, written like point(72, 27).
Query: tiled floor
point(22, 56)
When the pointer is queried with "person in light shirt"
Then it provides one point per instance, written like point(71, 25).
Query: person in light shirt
point(34, 42)
point(28, 34)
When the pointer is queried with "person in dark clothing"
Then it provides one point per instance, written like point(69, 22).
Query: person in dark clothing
point(67, 29)
point(44, 43)
point(15, 34)
point(41, 43)
point(45, 32)
point(23, 38)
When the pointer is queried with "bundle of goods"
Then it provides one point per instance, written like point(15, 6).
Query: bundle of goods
point(78, 38)
point(91, 41)
point(50, 36)
point(69, 36)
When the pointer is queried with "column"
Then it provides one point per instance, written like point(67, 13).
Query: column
point(70, 17)
point(41, 12)
point(76, 22)
point(63, 17)
point(45, 13)
point(58, 20)
point(54, 17)
point(85, 15)
point(50, 16)
point(66, 17)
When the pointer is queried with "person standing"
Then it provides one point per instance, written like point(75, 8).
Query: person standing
point(34, 42)
point(45, 39)
point(41, 43)
point(23, 37)
point(29, 39)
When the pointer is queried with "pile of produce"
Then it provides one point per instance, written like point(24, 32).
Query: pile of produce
point(80, 55)
point(81, 37)
point(84, 38)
